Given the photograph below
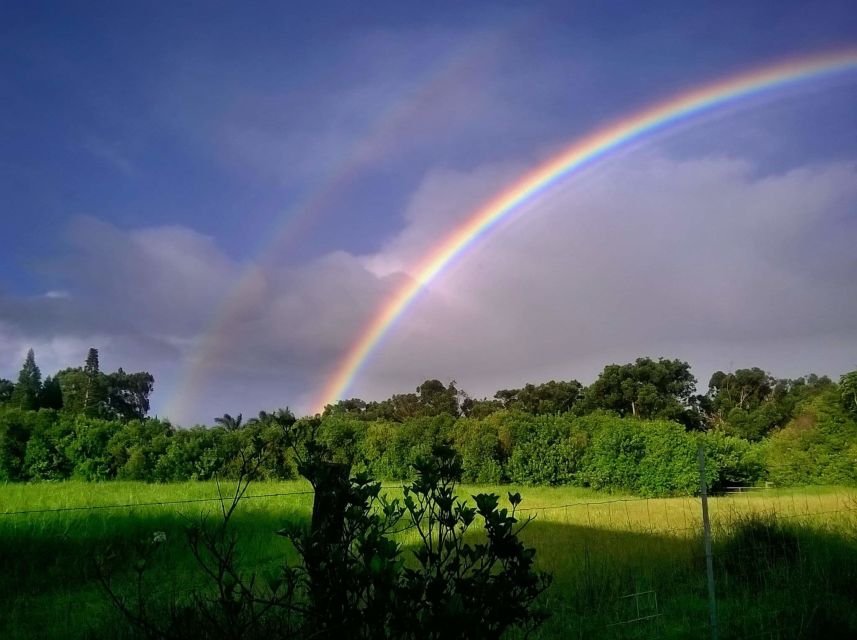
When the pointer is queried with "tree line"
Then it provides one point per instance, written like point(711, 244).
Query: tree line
point(82, 390)
point(636, 428)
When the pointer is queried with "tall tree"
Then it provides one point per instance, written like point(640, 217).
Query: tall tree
point(91, 367)
point(750, 403)
point(73, 383)
point(546, 398)
point(434, 398)
point(26, 393)
point(646, 388)
point(127, 396)
point(95, 391)
point(745, 389)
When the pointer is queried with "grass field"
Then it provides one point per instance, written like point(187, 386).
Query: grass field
point(623, 567)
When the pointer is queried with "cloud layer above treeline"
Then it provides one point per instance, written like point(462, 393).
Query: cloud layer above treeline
point(707, 260)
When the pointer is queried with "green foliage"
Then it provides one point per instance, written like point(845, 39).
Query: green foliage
point(819, 446)
point(46, 457)
point(651, 458)
point(50, 396)
point(546, 450)
point(6, 390)
point(737, 462)
point(26, 392)
point(113, 396)
point(401, 445)
point(432, 398)
point(16, 427)
point(753, 424)
point(848, 393)
point(342, 435)
point(73, 383)
point(128, 394)
point(645, 388)
point(436, 399)
point(622, 433)
point(548, 398)
point(190, 454)
point(750, 403)
point(86, 448)
point(478, 445)
point(480, 408)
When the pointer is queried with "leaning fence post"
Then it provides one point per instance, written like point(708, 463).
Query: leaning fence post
point(706, 526)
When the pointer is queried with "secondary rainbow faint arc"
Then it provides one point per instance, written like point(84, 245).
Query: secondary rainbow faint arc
point(581, 153)
point(448, 72)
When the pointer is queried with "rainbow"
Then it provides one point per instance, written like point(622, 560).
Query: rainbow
point(574, 158)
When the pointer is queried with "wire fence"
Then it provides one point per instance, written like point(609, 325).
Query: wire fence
point(156, 503)
point(783, 565)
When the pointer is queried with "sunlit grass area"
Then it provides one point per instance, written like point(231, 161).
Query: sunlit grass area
point(623, 566)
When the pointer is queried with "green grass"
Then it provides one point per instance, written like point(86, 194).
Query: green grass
point(789, 576)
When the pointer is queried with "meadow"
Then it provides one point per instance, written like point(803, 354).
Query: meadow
point(623, 566)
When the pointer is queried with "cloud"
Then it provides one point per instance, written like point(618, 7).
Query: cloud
point(699, 259)
point(646, 255)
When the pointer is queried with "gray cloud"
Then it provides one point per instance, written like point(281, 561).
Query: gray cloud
point(644, 254)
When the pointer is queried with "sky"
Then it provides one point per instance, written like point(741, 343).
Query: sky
point(224, 194)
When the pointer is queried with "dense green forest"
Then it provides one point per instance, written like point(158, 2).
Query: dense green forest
point(636, 428)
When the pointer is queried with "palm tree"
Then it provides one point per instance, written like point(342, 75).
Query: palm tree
point(229, 423)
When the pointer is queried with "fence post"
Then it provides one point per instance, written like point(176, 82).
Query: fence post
point(706, 526)
point(324, 545)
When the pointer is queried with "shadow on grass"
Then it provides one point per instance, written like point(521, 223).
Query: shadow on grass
point(774, 581)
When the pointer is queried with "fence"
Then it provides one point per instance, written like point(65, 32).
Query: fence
point(778, 563)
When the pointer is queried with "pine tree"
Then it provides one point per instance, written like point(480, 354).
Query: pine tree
point(95, 392)
point(26, 393)
point(91, 367)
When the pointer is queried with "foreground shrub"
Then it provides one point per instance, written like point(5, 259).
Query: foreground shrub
point(354, 580)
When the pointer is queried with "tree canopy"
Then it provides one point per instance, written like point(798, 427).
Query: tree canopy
point(635, 428)
point(81, 390)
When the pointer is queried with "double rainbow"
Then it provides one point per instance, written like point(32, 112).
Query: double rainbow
point(579, 155)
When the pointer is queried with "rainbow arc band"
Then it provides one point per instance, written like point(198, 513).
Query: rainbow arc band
point(577, 156)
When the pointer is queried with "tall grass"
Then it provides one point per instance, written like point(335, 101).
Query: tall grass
point(624, 567)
